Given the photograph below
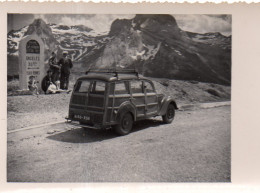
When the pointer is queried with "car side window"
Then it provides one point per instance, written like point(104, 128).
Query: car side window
point(148, 87)
point(121, 88)
point(136, 86)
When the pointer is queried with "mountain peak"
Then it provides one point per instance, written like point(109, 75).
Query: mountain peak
point(147, 22)
point(158, 18)
point(161, 24)
point(119, 25)
point(38, 22)
point(39, 27)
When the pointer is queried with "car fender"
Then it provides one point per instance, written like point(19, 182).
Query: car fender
point(164, 105)
point(126, 107)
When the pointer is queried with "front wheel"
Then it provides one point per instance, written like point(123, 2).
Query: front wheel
point(169, 116)
point(125, 125)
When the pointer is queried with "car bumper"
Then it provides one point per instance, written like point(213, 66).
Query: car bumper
point(75, 123)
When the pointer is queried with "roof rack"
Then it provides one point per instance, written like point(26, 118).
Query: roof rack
point(116, 72)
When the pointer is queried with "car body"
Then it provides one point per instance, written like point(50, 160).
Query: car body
point(104, 99)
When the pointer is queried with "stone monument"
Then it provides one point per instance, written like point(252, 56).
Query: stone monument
point(31, 60)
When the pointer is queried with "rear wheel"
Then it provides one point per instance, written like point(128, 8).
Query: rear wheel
point(170, 113)
point(125, 125)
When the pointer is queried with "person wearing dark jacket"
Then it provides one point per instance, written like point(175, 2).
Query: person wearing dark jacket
point(54, 67)
point(66, 65)
point(48, 85)
point(47, 81)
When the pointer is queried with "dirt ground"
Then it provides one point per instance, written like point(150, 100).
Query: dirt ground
point(196, 147)
point(25, 110)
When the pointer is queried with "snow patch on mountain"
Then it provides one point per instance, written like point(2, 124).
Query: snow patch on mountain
point(212, 39)
point(70, 30)
point(177, 51)
point(151, 51)
point(14, 39)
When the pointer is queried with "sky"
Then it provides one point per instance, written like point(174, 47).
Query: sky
point(101, 22)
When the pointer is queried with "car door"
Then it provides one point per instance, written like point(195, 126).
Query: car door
point(79, 100)
point(138, 97)
point(151, 99)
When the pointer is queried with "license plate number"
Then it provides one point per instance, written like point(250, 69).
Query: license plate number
point(84, 117)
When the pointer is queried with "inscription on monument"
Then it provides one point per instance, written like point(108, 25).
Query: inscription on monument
point(32, 60)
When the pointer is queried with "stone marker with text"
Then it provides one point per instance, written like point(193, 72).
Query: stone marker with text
point(31, 60)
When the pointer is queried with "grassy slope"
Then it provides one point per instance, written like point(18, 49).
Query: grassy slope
point(28, 110)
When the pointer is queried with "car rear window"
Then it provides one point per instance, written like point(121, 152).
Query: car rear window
point(98, 87)
point(82, 86)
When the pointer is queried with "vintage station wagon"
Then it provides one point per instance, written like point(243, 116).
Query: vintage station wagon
point(107, 99)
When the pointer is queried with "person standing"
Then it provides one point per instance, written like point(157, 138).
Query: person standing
point(54, 67)
point(66, 64)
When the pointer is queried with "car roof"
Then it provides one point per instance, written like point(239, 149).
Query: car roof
point(110, 77)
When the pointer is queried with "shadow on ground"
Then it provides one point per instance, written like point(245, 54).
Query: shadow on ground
point(83, 135)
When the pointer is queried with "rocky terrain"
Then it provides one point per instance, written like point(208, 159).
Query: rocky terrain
point(153, 44)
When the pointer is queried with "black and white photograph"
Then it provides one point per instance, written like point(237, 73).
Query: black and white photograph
point(119, 97)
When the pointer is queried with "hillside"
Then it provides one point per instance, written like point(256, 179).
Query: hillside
point(154, 44)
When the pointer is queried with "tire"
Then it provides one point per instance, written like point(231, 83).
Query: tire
point(125, 125)
point(170, 113)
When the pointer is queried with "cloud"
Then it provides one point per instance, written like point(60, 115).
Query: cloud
point(98, 22)
point(102, 23)
point(17, 21)
point(205, 23)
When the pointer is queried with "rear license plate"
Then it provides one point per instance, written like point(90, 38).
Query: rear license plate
point(82, 117)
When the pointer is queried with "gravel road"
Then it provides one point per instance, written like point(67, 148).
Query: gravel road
point(196, 147)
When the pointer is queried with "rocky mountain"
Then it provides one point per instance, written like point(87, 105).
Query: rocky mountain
point(153, 44)
point(157, 47)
